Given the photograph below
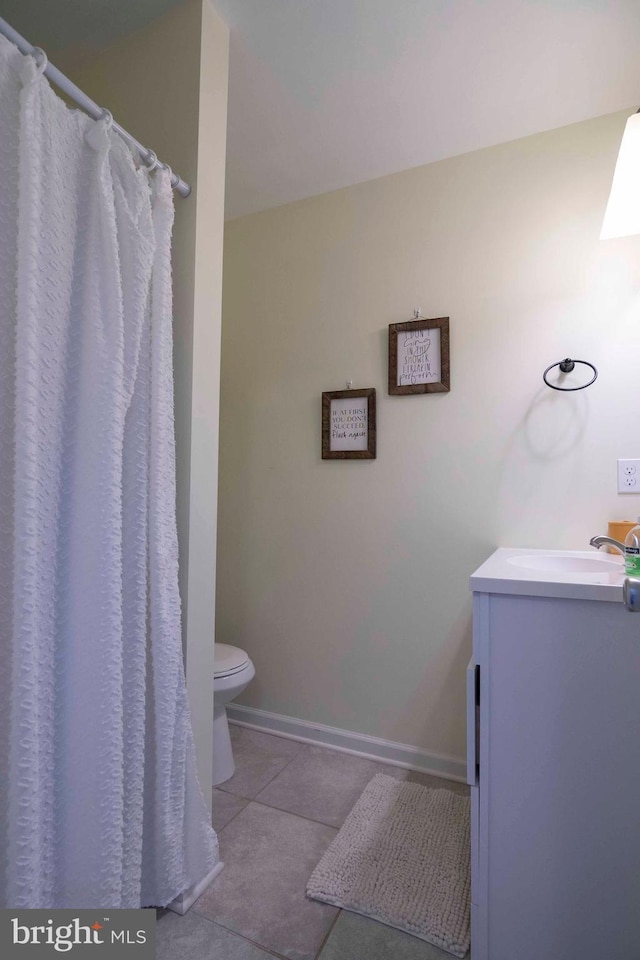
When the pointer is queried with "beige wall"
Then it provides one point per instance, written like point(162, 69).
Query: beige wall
point(347, 582)
point(167, 85)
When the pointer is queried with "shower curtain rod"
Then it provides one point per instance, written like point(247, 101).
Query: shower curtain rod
point(76, 94)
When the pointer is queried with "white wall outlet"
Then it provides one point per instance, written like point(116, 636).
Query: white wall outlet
point(628, 476)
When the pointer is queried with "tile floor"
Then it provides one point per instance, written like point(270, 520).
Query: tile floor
point(275, 818)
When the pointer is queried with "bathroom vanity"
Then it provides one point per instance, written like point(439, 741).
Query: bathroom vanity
point(553, 724)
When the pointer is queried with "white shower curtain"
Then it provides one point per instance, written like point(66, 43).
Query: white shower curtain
point(99, 799)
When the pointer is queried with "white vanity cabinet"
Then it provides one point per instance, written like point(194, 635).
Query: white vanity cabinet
point(553, 700)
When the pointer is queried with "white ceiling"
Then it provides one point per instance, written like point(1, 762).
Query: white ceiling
point(327, 93)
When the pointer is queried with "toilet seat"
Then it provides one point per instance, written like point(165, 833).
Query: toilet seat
point(228, 660)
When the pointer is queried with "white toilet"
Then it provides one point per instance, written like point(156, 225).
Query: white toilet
point(232, 671)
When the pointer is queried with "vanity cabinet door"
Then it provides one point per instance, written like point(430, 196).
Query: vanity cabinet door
point(473, 722)
point(557, 872)
point(473, 769)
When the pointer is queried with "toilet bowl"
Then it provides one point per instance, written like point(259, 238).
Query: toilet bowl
point(232, 671)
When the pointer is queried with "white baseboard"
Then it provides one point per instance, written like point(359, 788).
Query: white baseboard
point(345, 741)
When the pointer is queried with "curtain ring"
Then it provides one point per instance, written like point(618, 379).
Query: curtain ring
point(151, 162)
point(107, 116)
point(171, 173)
point(40, 58)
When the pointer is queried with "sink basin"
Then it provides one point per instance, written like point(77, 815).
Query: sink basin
point(568, 563)
point(566, 574)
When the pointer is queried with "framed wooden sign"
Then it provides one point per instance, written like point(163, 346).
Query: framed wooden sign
point(349, 424)
point(419, 356)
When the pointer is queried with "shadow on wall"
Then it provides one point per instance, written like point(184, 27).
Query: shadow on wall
point(554, 424)
point(542, 465)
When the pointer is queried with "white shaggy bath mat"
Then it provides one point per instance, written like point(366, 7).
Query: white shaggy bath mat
point(402, 857)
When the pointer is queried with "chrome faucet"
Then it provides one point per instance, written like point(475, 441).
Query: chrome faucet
point(598, 542)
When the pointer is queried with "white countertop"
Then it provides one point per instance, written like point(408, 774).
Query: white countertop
point(507, 570)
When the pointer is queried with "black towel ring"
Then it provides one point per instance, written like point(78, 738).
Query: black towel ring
point(566, 366)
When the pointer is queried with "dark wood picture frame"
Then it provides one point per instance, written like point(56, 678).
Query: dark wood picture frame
point(335, 439)
point(414, 375)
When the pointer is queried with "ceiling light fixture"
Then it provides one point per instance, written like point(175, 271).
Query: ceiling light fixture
point(622, 216)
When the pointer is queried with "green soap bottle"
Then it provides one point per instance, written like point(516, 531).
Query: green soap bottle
point(632, 551)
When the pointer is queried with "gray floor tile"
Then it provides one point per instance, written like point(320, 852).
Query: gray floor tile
point(269, 856)
point(258, 758)
point(320, 784)
point(359, 938)
point(224, 807)
point(266, 742)
point(193, 938)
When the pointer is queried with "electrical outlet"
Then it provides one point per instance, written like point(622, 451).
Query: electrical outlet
point(628, 476)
